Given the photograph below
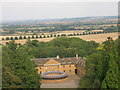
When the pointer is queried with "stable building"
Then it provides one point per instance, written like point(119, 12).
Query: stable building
point(69, 65)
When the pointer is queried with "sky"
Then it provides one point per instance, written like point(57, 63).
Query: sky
point(12, 11)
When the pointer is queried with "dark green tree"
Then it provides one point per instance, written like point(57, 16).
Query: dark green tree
point(78, 34)
point(58, 35)
point(111, 78)
point(24, 37)
point(16, 38)
point(32, 36)
point(11, 38)
point(20, 37)
point(36, 36)
point(40, 36)
point(2, 38)
point(7, 38)
point(54, 35)
point(44, 36)
point(28, 37)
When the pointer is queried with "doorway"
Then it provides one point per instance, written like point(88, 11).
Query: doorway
point(75, 71)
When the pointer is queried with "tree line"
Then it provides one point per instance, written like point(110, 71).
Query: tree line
point(54, 35)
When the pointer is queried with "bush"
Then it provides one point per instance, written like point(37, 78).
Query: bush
point(36, 36)
point(58, 35)
point(7, 38)
point(20, 37)
point(16, 38)
point(28, 37)
point(40, 36)
point(54, 35)
point(11, 38)
point(24, 37)
point(44, 36)
point(2, 38)
point(32, 36)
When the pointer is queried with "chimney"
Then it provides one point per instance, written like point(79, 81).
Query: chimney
point(58, 57)
point(77, 56)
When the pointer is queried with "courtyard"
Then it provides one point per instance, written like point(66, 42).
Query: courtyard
point(72, 81)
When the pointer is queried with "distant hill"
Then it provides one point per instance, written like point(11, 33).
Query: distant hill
point(92, 19)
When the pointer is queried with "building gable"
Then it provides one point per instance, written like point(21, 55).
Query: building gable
point(52, 62)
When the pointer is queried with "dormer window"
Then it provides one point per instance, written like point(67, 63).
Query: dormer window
point(69, 61)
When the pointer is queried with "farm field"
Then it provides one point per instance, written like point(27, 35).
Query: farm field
point(94, 37)
point(65, 32)
point(98, 37)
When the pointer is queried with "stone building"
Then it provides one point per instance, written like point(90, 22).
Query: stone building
point(69, 65)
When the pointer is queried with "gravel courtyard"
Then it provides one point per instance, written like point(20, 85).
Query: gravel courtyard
point(71, 82)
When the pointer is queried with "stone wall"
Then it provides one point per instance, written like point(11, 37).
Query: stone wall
point(68, 69)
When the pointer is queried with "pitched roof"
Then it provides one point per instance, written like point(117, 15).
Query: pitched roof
point(63, 61)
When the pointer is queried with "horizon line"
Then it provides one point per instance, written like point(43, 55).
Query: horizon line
point(20, 20)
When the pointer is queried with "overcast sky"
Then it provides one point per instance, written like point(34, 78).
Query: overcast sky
point(53, 10)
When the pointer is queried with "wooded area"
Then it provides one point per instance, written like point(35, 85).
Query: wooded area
point(101, 66)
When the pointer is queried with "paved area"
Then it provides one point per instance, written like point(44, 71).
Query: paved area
point(71, 82)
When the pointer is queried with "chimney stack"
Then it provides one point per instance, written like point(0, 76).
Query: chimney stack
point(58, 57)
point(77, 56)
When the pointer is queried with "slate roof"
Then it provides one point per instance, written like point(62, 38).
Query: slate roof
point(63, 61)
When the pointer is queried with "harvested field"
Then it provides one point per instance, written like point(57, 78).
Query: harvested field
point(65, 32)
point(98, 37)
point(95, 37)
point(96, 30)
point(35, 28)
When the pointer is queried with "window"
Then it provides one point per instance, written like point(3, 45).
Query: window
point(70, 70)
point(69, 65)
point(40, 67)
point(58, 66)
point(63, 70)
point(63, 65)
point(40, 72)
